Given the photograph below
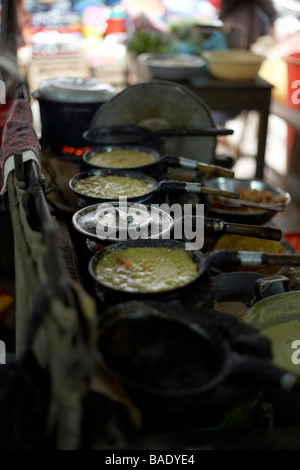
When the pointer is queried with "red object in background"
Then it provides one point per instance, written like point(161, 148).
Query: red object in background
point(216, 4)
point(4, 111)
point(294, 240)
point(78, 152)
point(115, 26)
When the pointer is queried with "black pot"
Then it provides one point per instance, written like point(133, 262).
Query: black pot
point(179, 367)
point(155, 169)
point(203, 262)
point(67, 106)
point(158, 190)
point(161, 164)
point(236, 291)
point(62, 123)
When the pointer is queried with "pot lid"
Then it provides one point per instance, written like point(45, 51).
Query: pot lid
point(75, 90)
point(113, 218)
point(117, 221)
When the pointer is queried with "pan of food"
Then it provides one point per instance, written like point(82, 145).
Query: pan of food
point(236, 291)
point(277, 318)
point(163, 267)
point(103, 185)
point(146, 160)
point(177, 364)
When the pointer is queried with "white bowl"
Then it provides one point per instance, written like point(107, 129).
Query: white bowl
point(233, 64)
point(171, 66)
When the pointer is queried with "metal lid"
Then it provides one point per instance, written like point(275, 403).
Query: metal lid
point(116, 221)
point(113, 218)
point(75, 90)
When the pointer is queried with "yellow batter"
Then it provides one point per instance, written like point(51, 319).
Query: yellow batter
point(112, 186)
point(121, 158)
point(146, 269)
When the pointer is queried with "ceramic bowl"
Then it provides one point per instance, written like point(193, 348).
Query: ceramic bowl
point(233, 64)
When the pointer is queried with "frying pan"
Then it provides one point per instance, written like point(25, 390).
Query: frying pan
point(156, 354)
point(129, 134)
point(214, 259)
point(156, 188)
point(114, 222)
point(160, 164)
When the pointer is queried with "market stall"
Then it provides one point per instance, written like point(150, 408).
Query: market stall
point(165, 320)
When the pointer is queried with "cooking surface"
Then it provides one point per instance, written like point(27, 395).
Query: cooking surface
point(220, 408)
point(194, 298)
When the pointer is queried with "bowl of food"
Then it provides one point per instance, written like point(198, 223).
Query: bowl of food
point(259, 201)
point(233, 64)
point(171, 66)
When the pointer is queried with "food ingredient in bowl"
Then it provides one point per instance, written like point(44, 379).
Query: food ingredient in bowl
point(146, 269)
point(251, 195)
point(111, 186)
point(121, 158)
point(243, 243)
point(233, 306)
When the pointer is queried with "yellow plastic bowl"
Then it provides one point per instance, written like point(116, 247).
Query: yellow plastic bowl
point(233, 64)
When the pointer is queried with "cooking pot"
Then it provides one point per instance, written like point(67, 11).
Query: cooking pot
point(236, 291)
point(67, 106)
point(161, 163)
point(278, 318)
point(156, 189)
point(203, 262)
point(174, 366)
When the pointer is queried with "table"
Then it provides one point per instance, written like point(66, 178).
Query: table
point(238, 96)
point(224, 96)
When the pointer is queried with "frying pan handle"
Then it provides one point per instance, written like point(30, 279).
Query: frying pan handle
point(257, 231)
point(219, 258)
point(262, 284)
point(212, 131)
point(166, 186)
point(189, 164)
point(263, 371)
point(190, 187)
point(220, 226)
